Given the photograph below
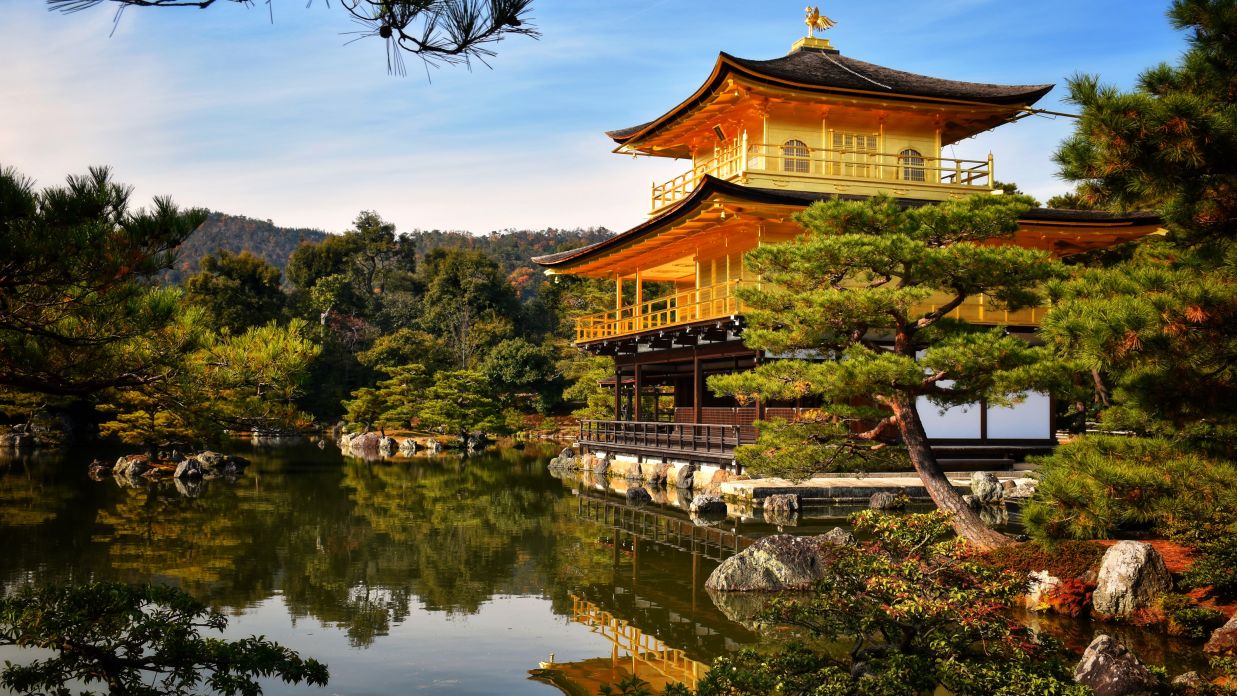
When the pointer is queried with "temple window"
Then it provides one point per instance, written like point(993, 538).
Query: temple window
point(795, 157)
point(911, 165)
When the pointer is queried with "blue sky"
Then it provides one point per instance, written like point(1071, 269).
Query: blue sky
point(223, 109)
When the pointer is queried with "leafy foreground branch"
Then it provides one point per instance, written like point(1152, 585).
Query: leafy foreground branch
point(137, 640)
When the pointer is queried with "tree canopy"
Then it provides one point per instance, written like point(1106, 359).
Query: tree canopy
point(77, 311)
point(1155, 331)
point(868, 288)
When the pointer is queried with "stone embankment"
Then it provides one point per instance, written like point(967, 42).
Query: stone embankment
point(374, 445)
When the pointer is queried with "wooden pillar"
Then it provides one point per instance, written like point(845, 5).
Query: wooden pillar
point(618, 292)
point(760, 406)
point(639, 386)
point(639, 299)
point(697, 390)
point(618, 391)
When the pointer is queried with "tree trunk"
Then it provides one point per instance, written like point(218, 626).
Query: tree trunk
point(966, 522)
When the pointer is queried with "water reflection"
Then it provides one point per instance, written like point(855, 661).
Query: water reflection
point(633, 652)
point(308, 538)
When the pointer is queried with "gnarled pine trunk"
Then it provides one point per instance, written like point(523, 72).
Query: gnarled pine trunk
point(966, 522)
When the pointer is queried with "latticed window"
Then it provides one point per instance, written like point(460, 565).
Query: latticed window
point(911, 164)
point(795, 157)
point(853, 154)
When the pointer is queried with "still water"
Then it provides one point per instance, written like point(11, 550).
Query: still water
point(405, 576)
point(421, 575)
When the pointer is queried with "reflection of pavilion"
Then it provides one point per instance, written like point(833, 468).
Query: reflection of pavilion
point(632, 652)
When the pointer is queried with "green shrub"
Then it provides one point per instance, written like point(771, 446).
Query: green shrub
point(1098, 487)
point(1187, 619)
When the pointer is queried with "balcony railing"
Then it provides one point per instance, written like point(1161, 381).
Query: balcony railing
point(672, 310)
point(698, 439)
point(741, 157)
point(717, 301)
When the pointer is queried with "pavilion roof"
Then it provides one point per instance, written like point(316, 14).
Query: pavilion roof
point(828, 71)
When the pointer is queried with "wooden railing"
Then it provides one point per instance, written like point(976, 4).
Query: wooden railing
point(716, 301)
point(680, 308)
point(727, 162)
point(670, 438)
point(741, 157)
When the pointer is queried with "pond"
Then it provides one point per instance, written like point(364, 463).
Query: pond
point(435, 575)
point(431, 575)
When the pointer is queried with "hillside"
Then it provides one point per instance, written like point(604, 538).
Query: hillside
point(238, 233)
point(512, 248)
point(235, 233)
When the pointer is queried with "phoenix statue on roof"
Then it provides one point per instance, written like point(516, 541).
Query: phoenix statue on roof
point(816, 21)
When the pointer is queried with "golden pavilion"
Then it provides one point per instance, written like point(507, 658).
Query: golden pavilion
point(762, 140)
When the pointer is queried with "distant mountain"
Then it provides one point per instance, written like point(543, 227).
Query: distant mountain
point(238, 233)
point(512, 248)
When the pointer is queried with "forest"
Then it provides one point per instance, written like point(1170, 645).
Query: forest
point(115, 331)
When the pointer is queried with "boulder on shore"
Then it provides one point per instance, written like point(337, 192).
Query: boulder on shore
point(1132, 575)
point(1039, 585)
point(839, 537)
point(986, 487)
point(1110, 669)
point(1223, 640)
point(704, 504)
point(773, 564)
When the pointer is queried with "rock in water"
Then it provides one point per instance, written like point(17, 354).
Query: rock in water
point(131, 466)
point(707, 505)
point(1132, 575)
point(686, 476)
point(408, 447)
point(1112, 670)
point(637, 496)
point(986, 487)
point(387, 445)
point(601, 465)
point(885, 500)
point(773, 564)
point(188, 469)
point(433, 446)
point(1223, 640)
point(660, 474)
point(781, 504)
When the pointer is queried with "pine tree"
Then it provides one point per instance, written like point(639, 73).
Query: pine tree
point(868, 289)
point(1155, 333)
point(78, 314)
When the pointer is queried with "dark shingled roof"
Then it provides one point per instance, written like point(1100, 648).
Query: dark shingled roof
point(830, 70)
point(711, 185)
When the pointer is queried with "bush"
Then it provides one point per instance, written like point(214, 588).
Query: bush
point(1072, 597)
point(1186, 618)
point(1062, 559)
point(1098, 487)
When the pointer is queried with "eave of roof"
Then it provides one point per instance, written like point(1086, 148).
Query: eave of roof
point(710, 186)
point(830, 72)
